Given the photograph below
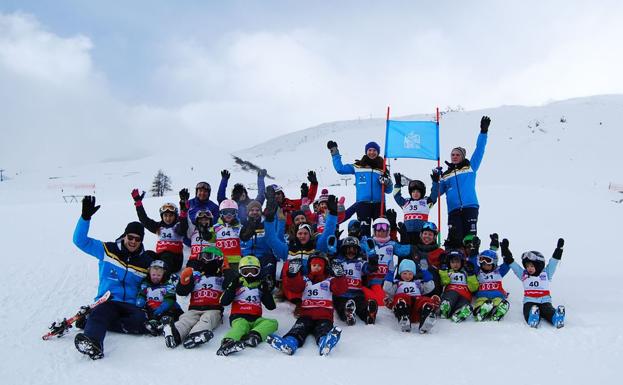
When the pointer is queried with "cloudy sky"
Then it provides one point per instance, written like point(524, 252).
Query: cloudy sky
point(110, 80)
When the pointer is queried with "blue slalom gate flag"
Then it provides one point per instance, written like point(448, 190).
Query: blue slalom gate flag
point(412, 139)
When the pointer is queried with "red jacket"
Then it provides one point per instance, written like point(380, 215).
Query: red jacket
point(290, 205)
point(338, 286)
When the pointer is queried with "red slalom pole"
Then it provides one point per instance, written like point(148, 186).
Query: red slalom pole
point(384, 165)
point(439, 189)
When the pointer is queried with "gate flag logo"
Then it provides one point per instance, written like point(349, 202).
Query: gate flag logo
point(412, 139)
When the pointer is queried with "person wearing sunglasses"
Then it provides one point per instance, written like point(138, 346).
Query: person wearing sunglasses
point(170, 245)
point(201, 201)
point(246, 294)
point(536, 279)
point(490, 300)
point(369, 178)
point(123, 264)
point(239, 193)
point(205, 312)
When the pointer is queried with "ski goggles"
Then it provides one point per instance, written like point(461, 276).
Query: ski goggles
point(158, 264)
point(168, 208)
point(249, 271)
point(207, 257)
point(533, 256)
point(381, 227)
point(429, 226)
point(305, 226)
point(230, 212)
point(204, 214)
point(202, 185)
point(484, 260)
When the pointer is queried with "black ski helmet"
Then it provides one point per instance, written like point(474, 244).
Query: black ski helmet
point(536, 258)
point(349, 242)
point(419, 186)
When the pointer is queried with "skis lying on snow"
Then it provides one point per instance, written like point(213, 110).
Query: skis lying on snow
point(59, 328)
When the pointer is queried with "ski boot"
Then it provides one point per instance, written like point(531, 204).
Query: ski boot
point(373, 308)
point(328, 341)
point(87, 346)
point(401, 310)
point(197, 338)
point(500, 311)
point(287, 345)
point(483, 311)
point(171, 335)
point(462, 313)
point(444, 309)
point(349, 309)
point(428, 318)
point(154, 327)
point(534, 318)
point(558, 319)
point(252, 339)
point(229, 346)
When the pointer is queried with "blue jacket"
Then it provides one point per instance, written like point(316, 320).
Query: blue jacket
point(549, 269)
point(366, 180)
point(277, 242)
point(195, 205)
point(119, 271)
point(242, 204)
point(460, 185)
point(257, 245)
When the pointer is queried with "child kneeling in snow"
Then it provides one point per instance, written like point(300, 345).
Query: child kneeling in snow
point(205, 312)
point(246, 294)
point(406, 295)
point(316, 318)
point(157, 297)
point(536, 278)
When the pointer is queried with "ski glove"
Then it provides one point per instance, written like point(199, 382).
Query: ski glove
point(262, 173)
point(88, 207)
point(332, 146)
point(391, 217)
point(311, 177)
point(304, 190)
point(187, 273)
point(484, 124)
point(184, 194)
point(397, 178)
point(469, 268)
point(294, 266)
point(267, 285)
point(436, 174)
point(138, 198)
point(495, 241)
point(225, 174)
point(384, 180)
point(332, 205)
point(558, 252)
point(337, 268)
point(506, 253)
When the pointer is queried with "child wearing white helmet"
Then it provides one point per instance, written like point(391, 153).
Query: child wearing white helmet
point(536, 278)
point(227, 230)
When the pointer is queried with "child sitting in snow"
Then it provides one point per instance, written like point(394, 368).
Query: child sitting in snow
point(205, 312)
point(316, 317)
point(406, 295)
point(490, 302)
point(536, 278)
point(457, 277)
point(157, 297)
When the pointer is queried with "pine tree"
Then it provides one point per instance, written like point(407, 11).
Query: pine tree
point(161, 184)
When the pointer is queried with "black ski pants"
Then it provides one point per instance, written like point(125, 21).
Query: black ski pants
point(361, 306)
point(546, 310)
point(305, 326)
point(115, 316)
point(462, 222)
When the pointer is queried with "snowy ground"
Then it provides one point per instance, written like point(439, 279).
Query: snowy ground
point(47, 277)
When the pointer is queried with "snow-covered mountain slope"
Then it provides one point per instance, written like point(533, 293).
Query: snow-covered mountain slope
point(535, 184)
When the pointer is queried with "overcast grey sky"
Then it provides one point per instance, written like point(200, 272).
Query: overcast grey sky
point(131, 77)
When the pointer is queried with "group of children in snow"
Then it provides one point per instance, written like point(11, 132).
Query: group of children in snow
point(234, 262)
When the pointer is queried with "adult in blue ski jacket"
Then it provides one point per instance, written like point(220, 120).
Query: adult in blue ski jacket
point(458, 183)
point(202, 201)
point(239, 193)
point(369, 180)
point(123, 264)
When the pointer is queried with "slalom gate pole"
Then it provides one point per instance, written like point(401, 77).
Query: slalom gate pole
point(384, 165)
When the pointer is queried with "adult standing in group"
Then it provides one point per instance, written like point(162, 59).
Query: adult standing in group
point(369, 181)
point(123, 264)
point(239, 193)
point(458, 182)
point(202, 201)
